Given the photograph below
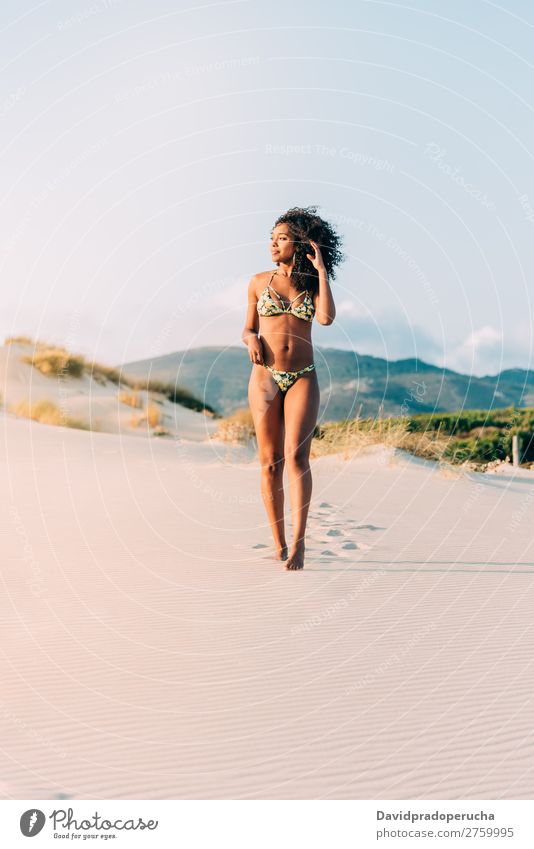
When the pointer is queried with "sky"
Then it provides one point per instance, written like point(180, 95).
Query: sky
point(147, 148)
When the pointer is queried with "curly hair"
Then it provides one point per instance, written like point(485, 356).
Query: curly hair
point(304, 224)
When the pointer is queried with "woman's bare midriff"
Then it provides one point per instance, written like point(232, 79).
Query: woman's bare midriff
point(287, 344)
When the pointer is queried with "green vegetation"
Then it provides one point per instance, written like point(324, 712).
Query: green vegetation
point(481, 436)
point(476, 438)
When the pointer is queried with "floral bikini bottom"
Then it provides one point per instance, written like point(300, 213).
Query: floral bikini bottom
point(286, 379)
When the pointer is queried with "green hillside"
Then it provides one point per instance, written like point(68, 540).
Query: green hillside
point(219, 376)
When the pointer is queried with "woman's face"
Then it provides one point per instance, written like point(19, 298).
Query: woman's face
point(282, 245)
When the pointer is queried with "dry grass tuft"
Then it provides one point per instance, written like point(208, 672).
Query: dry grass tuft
point(239, 427)
point(102, 374)
point(46, 412)
point(153, 415)
point(132, 399)
point(161, 431)
point(18, 340)
point(348, 437)
point(151, 418)
point(352, 436)
point(56, 361)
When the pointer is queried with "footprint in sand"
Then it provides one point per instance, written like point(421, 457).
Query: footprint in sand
point(260, 545)
point(329, 528)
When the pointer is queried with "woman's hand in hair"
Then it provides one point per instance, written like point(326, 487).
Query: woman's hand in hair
point(316, 259)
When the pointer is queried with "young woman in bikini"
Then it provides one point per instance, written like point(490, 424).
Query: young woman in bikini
point(283, 390)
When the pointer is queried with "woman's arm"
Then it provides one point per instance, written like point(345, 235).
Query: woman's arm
point(325, 309)
point(252, 325)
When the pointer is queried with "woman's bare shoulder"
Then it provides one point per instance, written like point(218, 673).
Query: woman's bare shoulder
point(259, 281)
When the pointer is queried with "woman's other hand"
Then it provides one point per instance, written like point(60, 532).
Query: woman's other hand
point(255, 350)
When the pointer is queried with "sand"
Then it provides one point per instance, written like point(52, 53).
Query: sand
point(152, 649)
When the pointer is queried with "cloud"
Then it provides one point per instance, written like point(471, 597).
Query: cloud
point(486, 351)
point(378, 335)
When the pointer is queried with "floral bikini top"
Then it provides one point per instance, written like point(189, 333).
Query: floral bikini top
point(268, 306)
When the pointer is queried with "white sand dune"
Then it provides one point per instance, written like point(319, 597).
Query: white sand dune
point(152, 649)
point(98, 406)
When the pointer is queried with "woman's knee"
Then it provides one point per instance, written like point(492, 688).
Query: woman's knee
point(272, 464)
point(298, 457)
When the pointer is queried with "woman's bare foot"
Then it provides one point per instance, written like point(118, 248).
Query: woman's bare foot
point(280, 552)
point(296, 558)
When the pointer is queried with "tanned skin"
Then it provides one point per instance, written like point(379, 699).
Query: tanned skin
point(285, 422)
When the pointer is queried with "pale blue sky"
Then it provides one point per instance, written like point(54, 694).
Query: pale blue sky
point(147, 148)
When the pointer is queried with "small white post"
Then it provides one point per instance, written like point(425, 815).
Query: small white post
point(515, 449)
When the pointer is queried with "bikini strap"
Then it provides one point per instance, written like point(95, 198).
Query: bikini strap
point(279, 297)
point(274, 290)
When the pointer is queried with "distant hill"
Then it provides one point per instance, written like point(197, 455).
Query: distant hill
point(219, 376)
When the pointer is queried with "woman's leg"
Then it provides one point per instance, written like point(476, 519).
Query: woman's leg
point(301, 406)
point(266, 405)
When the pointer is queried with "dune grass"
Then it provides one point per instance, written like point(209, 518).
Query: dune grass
point(57, 361)
point(174, 393)
point(351, 436)
point(348, 437)
point(236, 428)
point(151, 417)
point(476, 439)
point(159, 430)
point(46, 412)
point(132, 399)
point(18, 340)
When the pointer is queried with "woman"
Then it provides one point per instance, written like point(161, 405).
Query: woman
point(283, 389)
